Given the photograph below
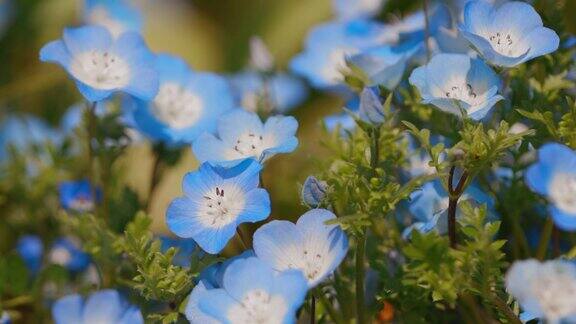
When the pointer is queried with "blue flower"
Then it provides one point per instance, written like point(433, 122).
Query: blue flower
point(218, 199)
point(554, 176)
point(118, 16)
point(30, 248)
point(253, 292)
point(283, 90)
point(455, 82)
point(68, 253)
point(310, 245)
point(354, 9)
point(384, 65)
point(507, 35)
point(101, 65)
point(242, 134)
point(187, 104)
point(328, 45)
point(545, 290)
point(313, 191)
point(78, 195)
point(185, 250)
point(25, 131)
point(371, 109)
point(104, 306)
point(5, 318)
point(211, 277)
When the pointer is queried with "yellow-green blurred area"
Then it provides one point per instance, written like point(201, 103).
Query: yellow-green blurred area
point(211, 35)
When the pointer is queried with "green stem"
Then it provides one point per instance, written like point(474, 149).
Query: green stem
point(545, 239)
point(360, 251)
point(154, 179)
point(504, 308)
point(312, 309)
point(90, 135)
point(329, 308)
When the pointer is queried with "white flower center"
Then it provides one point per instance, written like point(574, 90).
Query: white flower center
point(101, 70)
point(464, 92)
point(336, 64)
point(60, 256)
point(258, 307)
point(503, 43)
point(562, 191)
point(176, 106)
point(555, 290)
point(221, 205)
point(100, 16)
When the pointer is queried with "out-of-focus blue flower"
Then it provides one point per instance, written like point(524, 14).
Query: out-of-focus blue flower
point(78, 195)
point(253, 292)
point(313, 191)
point(72, 118)
point(355, 9)
point(343, 120)
point(211, 277)
point(384, 65)
point(185, 250)
point(554, 176)
point(371, 109)
point(310, 245)
point(101, 65)
point(455, 83)
point(118, 16)
point(545, 290)
point(429, 206)
point(509, 34)
point(241, 134)
point(187, 104)
point(68, 253)
point(260, 57)
point(284, 91)
point(104, 306)
point(23, 132)
point(5, 318)
point(216, 200)
point(30, 248)
point(328, 45)
point(6, 11)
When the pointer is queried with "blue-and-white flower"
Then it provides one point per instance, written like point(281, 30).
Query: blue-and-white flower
point(509, 34)
point(455, 82)
point(78, 196)
point(104, 306)
point(30, 248)
point(216, 200)
point(118, 16)
point(241, 135)
point(68, 253)
point(328, 45)
point(253, 292)
point(101, 65)
point(310, 245)
point(554, 176)
point(313, 191)
point(283, 90)
point(187, 104)
point(5, 318)
point(545, 290)
point(355, 9)
point(23, 132)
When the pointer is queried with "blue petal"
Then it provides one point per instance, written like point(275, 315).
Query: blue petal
point(236, 123)
point(104, 306)
point(274, 242)
point(86, 38)
point(563, 220)
point(477, 16)
point(291, 285)
point(482, 110)
point(245, 173)
point(56, 52)
point(209, 148)
point(196, 184)
point(541, 42)
point(172, 69)
point(495, 58)
point(132, 315)
point(193, 312)
point(92, 94)
point(68, 310)
point(517, 17)
point(257, 206)
point(282, 130)
point(216, 303)
point(245, 275)
point(181, 217)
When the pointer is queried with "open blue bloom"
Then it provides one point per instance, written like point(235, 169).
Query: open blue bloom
point(68, 253)
point(185, 250)
point(554, 176)
point(104, 306)
point(78, 195)
point(216, 200)
point(384, 65)
point(30, 248)
point(25, 131)
point(241, 135)
point(283, 90)
point(313, 191)
point(5, 318)
point(354, 9)
point(455, 82)
point(101, 65)
point(310, 245)
point(253, 292)
point(211, 277)
point(328, 45)
point(507, 35)
point(187, 104)
point(545, 290)
point(118, 16)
